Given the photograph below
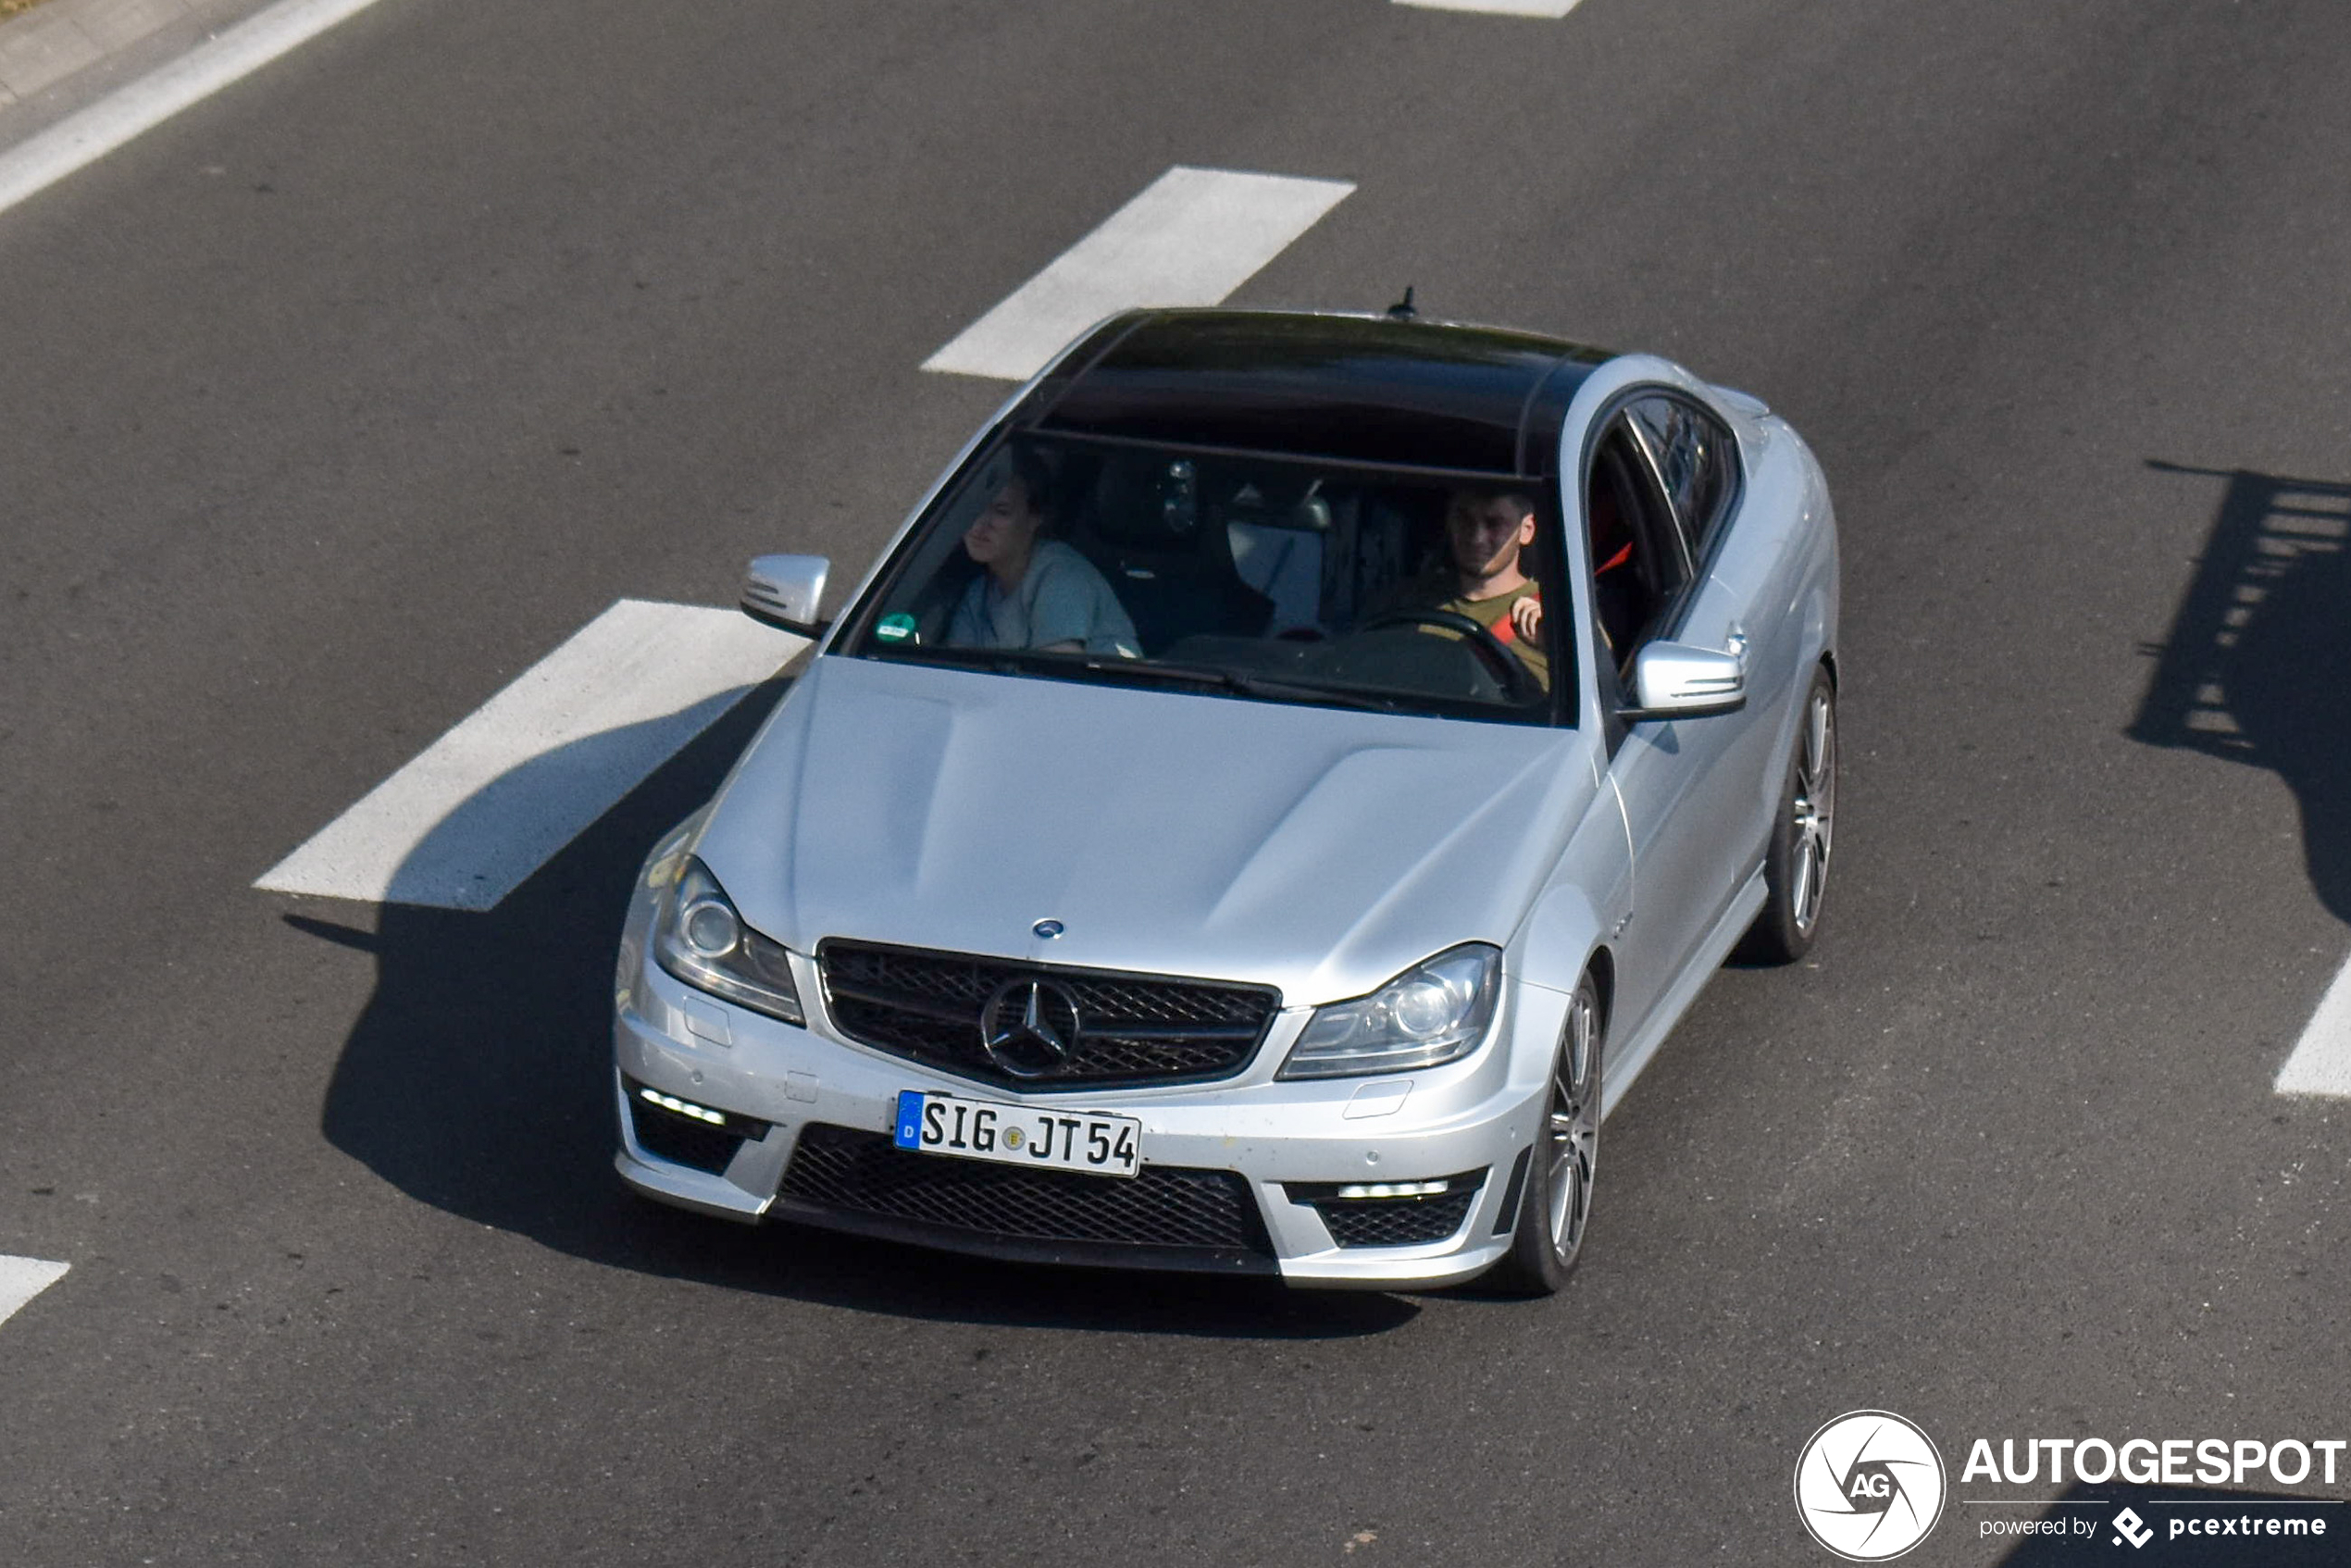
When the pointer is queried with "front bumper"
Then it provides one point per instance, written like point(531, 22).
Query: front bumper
point(1282, 1148)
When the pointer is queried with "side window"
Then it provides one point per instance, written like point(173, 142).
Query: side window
point(1639, 561)
point(1694, 458)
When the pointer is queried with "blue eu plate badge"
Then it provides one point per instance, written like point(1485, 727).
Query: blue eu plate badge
point(909, 1132)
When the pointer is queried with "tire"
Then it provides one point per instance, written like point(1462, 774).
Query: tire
point(1556, 1208)
point(1795, 864)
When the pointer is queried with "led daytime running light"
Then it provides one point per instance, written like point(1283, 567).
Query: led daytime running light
point(683, 1107)
point(1394, 1188)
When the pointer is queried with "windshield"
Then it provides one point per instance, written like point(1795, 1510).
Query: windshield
point(1268, 578)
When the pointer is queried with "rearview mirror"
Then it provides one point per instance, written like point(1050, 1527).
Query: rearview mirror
point(1676, 681)
point(783, 592)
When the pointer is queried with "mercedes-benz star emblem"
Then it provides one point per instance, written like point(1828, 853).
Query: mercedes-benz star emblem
point(1029, 1027)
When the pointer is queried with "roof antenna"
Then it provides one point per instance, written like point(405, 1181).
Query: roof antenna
point(1402, 309)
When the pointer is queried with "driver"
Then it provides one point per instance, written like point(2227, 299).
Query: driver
point(1036, 593)
point(1486, 530)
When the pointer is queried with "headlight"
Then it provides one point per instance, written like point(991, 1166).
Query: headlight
point(1434, 1012)
point(699, 938)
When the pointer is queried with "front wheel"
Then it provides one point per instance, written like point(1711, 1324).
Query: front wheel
point(1557, 1205)
point(1796, 865)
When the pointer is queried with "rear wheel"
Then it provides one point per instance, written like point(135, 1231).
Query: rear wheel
point(1557, 1203)
point(1796, 865)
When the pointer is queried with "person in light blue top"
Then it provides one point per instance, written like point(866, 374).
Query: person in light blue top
point(1036, 593)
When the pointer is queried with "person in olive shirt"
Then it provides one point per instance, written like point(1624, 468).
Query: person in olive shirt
point(1485, 533)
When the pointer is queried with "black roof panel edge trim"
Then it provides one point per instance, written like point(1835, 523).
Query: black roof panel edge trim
point(1103, 339)
point(1345, 387)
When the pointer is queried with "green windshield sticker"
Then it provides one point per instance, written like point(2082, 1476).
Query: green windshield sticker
point(896, 628)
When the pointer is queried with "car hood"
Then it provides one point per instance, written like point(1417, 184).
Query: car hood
point(1319, 849)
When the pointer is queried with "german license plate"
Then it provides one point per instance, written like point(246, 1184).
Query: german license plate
point(1019, 1135)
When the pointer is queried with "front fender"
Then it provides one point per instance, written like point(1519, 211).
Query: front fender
point(1561, 935)
point(1588, 899)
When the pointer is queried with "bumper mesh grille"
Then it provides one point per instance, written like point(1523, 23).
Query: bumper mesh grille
point(1396, 1221)
point(840, 1168)
point(1130, 1029)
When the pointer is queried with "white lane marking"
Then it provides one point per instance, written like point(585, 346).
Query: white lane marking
point(1192, 237)
point(1497, 7)
point(90, 135)
point(2321, 1059)
point(24, 1278)
point(488, 803)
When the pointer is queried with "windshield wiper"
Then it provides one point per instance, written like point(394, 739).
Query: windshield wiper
point(1222, 679)
point(1021, 661)
point(999, 661)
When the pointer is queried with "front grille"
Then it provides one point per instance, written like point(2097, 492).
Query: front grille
point(1129, 1028)
point(840, 1168)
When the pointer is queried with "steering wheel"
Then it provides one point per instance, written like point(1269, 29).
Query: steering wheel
point(1518, 682)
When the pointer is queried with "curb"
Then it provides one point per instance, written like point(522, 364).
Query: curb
point(64, 55)
point(92, 110)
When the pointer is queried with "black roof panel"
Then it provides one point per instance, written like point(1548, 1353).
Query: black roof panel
point(1359, 389)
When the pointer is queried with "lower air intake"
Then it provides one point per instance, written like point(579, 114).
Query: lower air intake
point(680, 1139)
point(864, 1173)
point(1395, 1222)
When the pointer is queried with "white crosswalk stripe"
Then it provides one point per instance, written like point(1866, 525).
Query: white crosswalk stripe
point(1551, 9)
point(2321, 1059)
point(481, 808)
point(1192, 237)
point(24, 1278)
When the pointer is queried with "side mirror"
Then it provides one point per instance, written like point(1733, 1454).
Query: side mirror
point(783, 592)
point(1674, 680)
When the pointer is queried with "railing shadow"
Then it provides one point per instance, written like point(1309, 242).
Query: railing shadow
point(477, 1079)
point(2257, 666)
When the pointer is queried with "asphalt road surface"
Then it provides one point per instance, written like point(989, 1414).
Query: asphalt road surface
point(331, 404)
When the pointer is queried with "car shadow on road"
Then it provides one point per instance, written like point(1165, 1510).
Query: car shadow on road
point(2154, 1512)
point(2257, 661)
point(477, 1079)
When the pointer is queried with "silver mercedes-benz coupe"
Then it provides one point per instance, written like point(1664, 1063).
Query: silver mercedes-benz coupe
point(1278, 790)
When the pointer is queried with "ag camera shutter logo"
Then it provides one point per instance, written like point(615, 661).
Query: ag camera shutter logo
point(1870, 1486)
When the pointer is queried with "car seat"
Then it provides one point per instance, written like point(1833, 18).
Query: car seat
point(1167, 556)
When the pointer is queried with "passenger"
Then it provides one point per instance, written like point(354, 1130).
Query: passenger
point(1036, 593)
point(1486, 530)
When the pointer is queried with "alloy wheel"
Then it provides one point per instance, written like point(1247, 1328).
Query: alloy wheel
point(1572, 1130)
point(1814, 810)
